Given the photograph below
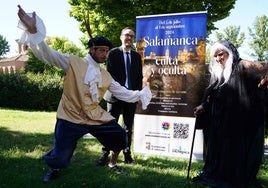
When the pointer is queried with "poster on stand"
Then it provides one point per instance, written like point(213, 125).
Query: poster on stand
point(173, 49)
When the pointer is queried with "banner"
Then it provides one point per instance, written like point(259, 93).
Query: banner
point(173, 49)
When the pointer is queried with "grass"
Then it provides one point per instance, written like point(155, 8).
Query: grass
point(25, 136)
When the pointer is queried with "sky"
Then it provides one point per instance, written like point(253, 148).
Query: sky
point(55, 15)
point(243, 15)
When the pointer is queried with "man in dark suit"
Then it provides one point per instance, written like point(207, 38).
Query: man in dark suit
point(129, 74)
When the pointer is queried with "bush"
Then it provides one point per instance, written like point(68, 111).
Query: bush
point(30, 91)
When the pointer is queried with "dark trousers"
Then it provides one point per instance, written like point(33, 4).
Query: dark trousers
point(111, 135)
point(128, 112)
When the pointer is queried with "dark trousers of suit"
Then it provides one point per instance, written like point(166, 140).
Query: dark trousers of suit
point(128, 112)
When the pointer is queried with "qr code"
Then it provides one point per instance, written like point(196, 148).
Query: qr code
point(181, 130)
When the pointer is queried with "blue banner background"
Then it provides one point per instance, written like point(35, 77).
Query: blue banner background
point(171, 26)
point(172, 47)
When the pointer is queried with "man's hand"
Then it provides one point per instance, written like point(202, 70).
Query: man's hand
point(198, 110)
point(29, 22)
point(145, 97)
point(264, 82)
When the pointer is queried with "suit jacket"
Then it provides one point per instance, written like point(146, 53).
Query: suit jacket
point(116, 67)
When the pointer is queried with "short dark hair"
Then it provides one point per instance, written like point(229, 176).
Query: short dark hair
point(131, 28)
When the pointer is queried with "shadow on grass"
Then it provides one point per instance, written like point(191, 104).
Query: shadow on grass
point(21, 166)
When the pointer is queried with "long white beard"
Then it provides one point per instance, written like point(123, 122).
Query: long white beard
point(219, 72)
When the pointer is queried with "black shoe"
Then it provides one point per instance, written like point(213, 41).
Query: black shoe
point(50, 175)
point(103, 160)
point(204, 179)
point(129, 159)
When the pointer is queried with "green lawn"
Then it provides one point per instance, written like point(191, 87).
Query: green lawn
point(25, 136)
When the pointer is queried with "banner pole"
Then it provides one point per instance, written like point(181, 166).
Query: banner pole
point(191, 152)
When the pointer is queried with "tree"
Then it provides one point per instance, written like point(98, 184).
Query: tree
point(4, 46)
point(57, 43)
point(232, 34)
point(62, 44)
point(108, 17)
point(259, 38)
point(259, 44)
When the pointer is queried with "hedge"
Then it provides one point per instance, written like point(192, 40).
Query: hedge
point(30, 91)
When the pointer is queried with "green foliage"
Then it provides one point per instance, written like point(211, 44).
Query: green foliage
point(30, 91)
point(63, 45)
point(33, 91)
point(109, 17)
point(34, 65)
point(259, 38)
point(232, 34)
point(4, 46)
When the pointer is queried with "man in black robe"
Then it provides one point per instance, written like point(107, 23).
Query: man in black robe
point(234, 102)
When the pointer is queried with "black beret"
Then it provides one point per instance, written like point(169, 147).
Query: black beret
point(99, 41)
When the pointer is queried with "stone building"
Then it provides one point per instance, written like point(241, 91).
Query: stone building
point(15, 63)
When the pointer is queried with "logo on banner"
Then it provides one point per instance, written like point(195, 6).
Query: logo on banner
point(165, 125)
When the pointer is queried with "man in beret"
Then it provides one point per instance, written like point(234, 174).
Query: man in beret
point(79, 111)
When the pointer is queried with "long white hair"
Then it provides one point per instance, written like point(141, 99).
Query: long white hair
point(217, 70)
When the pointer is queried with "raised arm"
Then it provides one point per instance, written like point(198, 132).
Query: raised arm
point(259, 69)
point(28, 21)
point(33, 36)
point(121, 93)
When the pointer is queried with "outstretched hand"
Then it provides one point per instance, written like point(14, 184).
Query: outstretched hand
point(146, 96)
point(264, 82)
point(28, 21)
